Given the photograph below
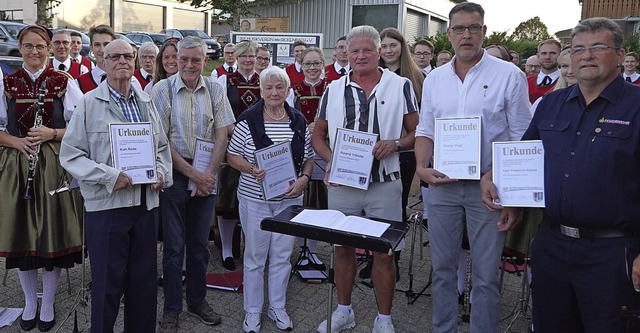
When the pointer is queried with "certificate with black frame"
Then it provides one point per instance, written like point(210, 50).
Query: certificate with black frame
point(133, 152)
point(456, 147)
point(277, 161)
point(352, 158)
point(518, 173)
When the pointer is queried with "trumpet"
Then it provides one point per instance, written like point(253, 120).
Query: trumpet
point(33, 158)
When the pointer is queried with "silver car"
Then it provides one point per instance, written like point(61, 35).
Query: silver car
point(9, 38)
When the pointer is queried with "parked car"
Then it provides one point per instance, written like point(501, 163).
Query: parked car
point(142, 37)
point(128, 40)
point(9, 38)
point(9, 64)
point(213, 48)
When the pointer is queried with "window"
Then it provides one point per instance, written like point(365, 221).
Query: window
point(378, 16)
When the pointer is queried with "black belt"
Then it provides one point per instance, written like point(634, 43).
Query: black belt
point(592, 233)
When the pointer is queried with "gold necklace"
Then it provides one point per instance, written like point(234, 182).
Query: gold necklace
point(274, 118)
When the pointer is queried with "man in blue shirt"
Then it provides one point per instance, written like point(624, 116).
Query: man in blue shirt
point(585, 257)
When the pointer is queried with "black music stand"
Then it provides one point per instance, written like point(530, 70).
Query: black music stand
point(389, 240)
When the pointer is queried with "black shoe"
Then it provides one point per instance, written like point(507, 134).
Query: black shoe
point(46, 326)
point(229, 264)
point(28, 325)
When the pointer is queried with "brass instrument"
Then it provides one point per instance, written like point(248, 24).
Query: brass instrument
point(33, 158)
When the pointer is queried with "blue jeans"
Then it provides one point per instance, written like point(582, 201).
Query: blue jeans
point(185, 221)
point(447, 205)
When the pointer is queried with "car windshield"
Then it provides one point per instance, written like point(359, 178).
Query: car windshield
point(196, 33)
point(159, 39)
point(125, 38)
point(13, 29)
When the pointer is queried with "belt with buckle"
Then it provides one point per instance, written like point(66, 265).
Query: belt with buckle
point(592, 233)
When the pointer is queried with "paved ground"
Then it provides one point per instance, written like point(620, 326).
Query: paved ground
point(306, 303)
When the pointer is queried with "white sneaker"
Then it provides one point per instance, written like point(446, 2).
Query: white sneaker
point(251, 323)
point(339, 321)
point(281, 318)
point(383, 327)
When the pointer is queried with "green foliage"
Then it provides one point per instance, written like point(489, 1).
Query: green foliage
point(44, 7)
point(632, 43)
point(531, 29)
point(232, 10)
point(440, 42)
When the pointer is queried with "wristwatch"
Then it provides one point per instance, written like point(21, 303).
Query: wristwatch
point(398, 144)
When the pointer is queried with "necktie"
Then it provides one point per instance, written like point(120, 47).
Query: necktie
point(546, 81)
point(342, 72)
point(628, 79)
point(149, 78)
point(103, 77)
point(230, 70)
point(74, 59)
point(61, 67)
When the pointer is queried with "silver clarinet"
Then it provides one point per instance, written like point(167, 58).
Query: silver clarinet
point(33, 158)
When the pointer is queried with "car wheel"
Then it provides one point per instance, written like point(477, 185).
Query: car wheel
point(15, 53)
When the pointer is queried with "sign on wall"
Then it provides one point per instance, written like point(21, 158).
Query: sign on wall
point(264, 24)
point(280, 44)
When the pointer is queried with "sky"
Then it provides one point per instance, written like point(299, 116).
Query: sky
point(501, 15)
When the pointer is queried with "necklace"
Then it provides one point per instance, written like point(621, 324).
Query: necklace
point(284, 114)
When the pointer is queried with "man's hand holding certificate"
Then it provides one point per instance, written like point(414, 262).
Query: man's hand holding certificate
point(518, 173)
point(352, 158)
point(203, 155)
point(133, 152)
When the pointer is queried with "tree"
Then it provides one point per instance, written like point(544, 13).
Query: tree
point(531, 29)
point(499, 38)
point(440, 42)
point(43, 8)
point(232, 10)
point(632, 43)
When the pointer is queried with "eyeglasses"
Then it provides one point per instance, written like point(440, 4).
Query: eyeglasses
point(61, 42)
point(533, 66)
point(29, 47)
point(422, 54)
point(263, 58)
point(247, 57)
point(596, 49)
point(316, 64)
point(473, 29)
point(147, 57)
point(228, 53)
point(341, 47)
point(194, 60)
point(117, 56)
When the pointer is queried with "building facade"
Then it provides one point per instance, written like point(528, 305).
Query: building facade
point(625, 12)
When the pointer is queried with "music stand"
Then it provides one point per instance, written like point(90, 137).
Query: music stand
point(386, 243)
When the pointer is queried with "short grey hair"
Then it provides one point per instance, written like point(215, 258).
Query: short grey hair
point(599, 24)
point(364, 31)
point(62, 32)
point(148, 46)
point(244, 47)
point(274, 73)
point(191, 42)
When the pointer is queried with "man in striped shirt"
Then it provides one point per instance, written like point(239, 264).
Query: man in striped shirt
point(190, 106)
point(378, 101)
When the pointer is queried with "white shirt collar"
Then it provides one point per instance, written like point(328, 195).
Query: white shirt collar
point(226, 67)
point(338, 67)
point(633, 76)
point(66, 63)
point(36, 75)
point(554, 76)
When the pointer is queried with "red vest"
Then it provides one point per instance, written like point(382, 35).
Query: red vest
point(330, 73)
point(307, 98)
point(242, 94)
point(143, 80)
point(294, 76)
point(86, 82)
point(221, 71)
point(74, 71)
point(87, 63)
point(536, 91)
point(22, 99)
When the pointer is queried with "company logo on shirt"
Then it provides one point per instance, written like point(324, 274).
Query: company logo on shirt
point(603, 120)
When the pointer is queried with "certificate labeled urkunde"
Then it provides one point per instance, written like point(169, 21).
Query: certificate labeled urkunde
point(202, 156)
point(277, 161)
point(132, 151)
point(457, 147)
point(352, 158)
point(518, 173)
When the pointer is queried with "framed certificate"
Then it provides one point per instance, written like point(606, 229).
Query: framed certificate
point(277, 161)
point(518, 173)
point(202, 156)
point(133, 152)
point(456, 151)
point(352, 158)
